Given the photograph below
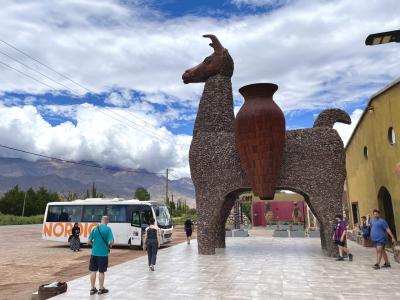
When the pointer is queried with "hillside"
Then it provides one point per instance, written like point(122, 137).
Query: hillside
point(65, 178)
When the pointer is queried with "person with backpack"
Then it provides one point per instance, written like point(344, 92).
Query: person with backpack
point(152, 243)
point(339, 237)
point(101, 238)
point(364, 228)
point(379, 232)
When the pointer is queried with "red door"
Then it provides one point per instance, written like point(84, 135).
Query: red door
point(259, 213)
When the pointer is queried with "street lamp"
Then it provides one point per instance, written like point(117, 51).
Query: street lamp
point(383, 38)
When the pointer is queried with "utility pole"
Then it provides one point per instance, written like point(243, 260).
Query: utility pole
point(166, 188)
point(23, 206)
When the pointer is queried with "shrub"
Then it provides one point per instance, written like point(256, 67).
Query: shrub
point(17, 220)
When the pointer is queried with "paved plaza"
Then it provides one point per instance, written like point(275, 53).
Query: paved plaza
point(249, 268)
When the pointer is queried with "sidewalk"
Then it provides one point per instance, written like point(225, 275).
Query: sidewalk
point(249, 268)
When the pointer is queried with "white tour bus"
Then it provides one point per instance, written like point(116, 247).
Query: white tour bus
point(128, 219)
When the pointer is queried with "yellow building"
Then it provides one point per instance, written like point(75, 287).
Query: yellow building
point(371, 155)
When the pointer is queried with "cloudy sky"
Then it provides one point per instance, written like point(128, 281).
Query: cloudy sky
point(113, 93)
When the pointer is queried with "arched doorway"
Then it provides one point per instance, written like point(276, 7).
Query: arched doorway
point(386, 208)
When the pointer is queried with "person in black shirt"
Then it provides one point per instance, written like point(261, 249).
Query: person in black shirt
point(188, 229)
point(74, 241)
point(152, 243)
point(64, 217)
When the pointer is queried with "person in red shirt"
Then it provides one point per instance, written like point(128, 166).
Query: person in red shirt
point(339, 237)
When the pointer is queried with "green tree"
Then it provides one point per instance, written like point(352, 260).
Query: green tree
point(12, 201)
point(35, 201)
point(69, 197)
point(142, 194)
point(87, 195)
point(94, 192)
point(246, 207)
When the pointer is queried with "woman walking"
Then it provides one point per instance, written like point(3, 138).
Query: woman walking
point(152, 243)
point(75, 242)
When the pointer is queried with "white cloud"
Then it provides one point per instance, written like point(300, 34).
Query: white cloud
point(121, 99)
point(314, 50)
point(94, 138)
point(345, 130)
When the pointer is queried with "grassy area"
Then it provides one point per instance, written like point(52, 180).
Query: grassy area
point(17, 220)
point(181, 219)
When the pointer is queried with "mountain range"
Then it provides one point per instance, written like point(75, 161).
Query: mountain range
point(67, 178)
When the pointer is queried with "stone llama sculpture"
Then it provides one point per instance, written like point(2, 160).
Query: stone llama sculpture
point(313, 161)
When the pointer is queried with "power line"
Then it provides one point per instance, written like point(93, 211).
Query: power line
point(71, 80)
point(27, 75)
point(95, 107)
point(76, 83)
point(78, 163)
point(34, 70)
point(41, 82)
point(44, 65)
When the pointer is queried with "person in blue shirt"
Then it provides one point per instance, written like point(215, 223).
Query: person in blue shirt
point(379, 232)
point(101, 239)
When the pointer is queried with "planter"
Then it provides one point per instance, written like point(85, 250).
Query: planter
point(280, 233)
point(46, 293)
point(298, 234)
point(260, 137)
point(314, 234)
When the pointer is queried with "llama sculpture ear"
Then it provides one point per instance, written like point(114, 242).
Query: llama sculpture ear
point(216, 45)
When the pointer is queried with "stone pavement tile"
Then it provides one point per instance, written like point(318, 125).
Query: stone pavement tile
point(249, 268)
point(330, 296)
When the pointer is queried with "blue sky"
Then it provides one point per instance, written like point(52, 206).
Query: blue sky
point(127, 105)
point(209, 8)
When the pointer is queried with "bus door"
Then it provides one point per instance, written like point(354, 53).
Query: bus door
point(136, 228)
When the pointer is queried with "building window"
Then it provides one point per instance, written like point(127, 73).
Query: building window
point(365, 152)
point(391, 136)
point(354, 210)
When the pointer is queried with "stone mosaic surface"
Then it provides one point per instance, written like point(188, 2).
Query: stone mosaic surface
point(313, 161)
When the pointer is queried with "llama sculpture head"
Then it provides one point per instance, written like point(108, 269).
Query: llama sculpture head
point(220, 62)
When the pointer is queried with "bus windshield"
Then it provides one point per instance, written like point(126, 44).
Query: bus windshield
point(162, 215)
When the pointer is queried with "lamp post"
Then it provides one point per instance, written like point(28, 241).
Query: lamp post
point(383, 38)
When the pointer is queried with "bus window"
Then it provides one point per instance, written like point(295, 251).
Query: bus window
point(53, 213)
point(64, 216)
point(64, 213)
point(162, 216)
point(74, 212)
point(135, 218)
point(93, 213)
point(117, 213)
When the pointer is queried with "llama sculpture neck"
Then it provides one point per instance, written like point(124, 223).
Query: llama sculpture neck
point(215, 112)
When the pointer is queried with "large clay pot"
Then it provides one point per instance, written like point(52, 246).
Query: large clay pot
point(260, 137)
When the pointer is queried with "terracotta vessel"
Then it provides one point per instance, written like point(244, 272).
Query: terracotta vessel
point(260, 137)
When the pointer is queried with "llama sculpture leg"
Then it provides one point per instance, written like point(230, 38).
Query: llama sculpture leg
point(214, 176)
point(223, 216)
point(314, 166)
